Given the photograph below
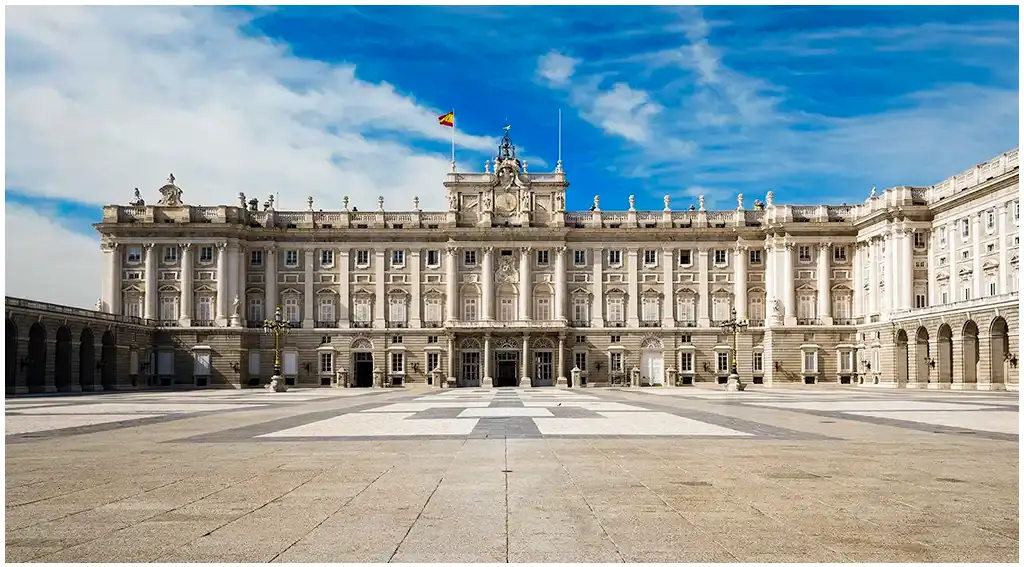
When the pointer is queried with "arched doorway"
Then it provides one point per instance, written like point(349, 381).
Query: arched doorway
point(969, 346)
point(12, 357)
point(37, 359)
point(945, 353)
point(902, 359)
point(999, 347)
point(924, 356)
point(362, 363)
point(87, 360)
point(62, 362)
point(652, 363)
point(108, 357)
point(506, 362)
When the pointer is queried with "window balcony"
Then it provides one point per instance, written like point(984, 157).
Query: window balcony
point(844, 321)
point(806, 321)
point(616, 324)
point(361, 324)
point(398, 324)
point(202, 322)
point(650, 323)
point(755, 322)
point(518, 324)
point(325, 324)
point(718, 322)
point(686, 323)
point(432, 324)
point(167, 323)
point(254, 324)
point(579, 323)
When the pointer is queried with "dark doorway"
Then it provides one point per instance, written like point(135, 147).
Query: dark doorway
point(364, 370)
point(923, 358)
point(37, 359)
point(108, 356)
point(999, 350)
point(945, 353)
point(507, 366)
point(12, 356)
point(62, 368)
point(970, 353)
point(902, 359)
point(87, 360)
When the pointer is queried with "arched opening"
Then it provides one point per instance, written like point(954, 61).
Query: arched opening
point(12, 356)
point(999, 347)
point(362, 363)
point(62, 362)
point(87, 360)
point(37, 359)
point(108, 358)
point(902, 358)
point(652, 363)
point(924, 356)
point(945, 354)
point(969, 346)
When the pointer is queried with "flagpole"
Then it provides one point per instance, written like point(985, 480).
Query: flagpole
point(453, 140)
point(558, 168)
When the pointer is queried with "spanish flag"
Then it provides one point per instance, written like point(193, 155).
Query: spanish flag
point(447, 119)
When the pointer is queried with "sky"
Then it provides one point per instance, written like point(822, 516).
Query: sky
point(816, 104)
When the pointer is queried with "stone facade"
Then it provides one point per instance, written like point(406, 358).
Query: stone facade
point(507, 287)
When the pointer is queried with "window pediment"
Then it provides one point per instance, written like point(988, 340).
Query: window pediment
point(205, 289)
point(168, 289)
point(290, 291)
point(686, 292)
point(615, 291)
point(362, 294)
point(254, 291)
point(132, 289)
point(326, 291)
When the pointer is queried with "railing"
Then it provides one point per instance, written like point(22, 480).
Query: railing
point(401, 218)
point(361, 324)
point(521, 323)
point(804, 214)
point(992, 300)
point(15, 302)
point(844, 321)
point(202, 322)
point(806, 321)
point(686, 323)
point(839, 213)
point(432, 324)
point(167, 323)
point(575, 219)
point(131, 213)
point(579, 323)
point(325, 324)
point(753, 217)
point(433, 218)
point(755, 322)
point(259, 217)
point(650, 323)
point(254, 324)
point(397, 324)
point(361, 218)
point(615, 324)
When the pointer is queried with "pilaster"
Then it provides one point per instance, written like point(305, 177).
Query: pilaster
point(789, 284)
point(309, 314)
point(222, 285)
point(380, 299)
point(149, 307)
point(344, 289)
point(633, 287)
point(824, 284)
point(952, 237)
point(668, 320)
point(560, 284)
point(487, 267)
point(1002, 285)
point(270, 295)
point(703, 287)
point(933, 268)
point(976, 255)
point(112, 278)
point(450, 285)
point(416, 301)
point(739, 266)
point(525, 283)
point(187, 278)
point(597, 320)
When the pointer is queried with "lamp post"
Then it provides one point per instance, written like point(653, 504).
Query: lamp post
point(277, 327)
point(735, 326)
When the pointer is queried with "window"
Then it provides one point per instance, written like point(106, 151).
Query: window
point(920, 241)
point(846, 361)
point(469, 258)
point(291, 258)
point(205, 254)
point(615, 313)
point(841, 306)
point(685, 308)
point(579, 257)
point(720, 257)
point(966, 294)
point(291, 363)
point(326, 362)
point(650, 309)
point(685, 258)
point(432, 309)
point(615, 257)
point(433, 361)
point(327, 309)
point(165, 363)
point(758, 361)
point(254, 363)
point(756, 309)
point(327, 258)
point(839, 254)
point(397, 258)
point(810, 361)
point(291, 309)
point(171, 254)
point(945, 297)
point(991, 288)
point(543, 309)
point(686, 362)
point(580, 339)
point(755, 257)
point(396, 309)
point(433, 258)
point(942, 236)
point(168, 308)
point(965, 228)
point(721, 306)
point(804, 253)
point(722, 360)
point(396, 339)
point(805, 306)
point(542, 257)
point(134, 254)
point(432, 340)
point(965, 255)
point(616, 362)
point(256, 258)
point(990, 221)
point(397, 363)
point(650, 257)
point(201, 362)
point(361, 310)
point(362, 258)
point(204, 308)
point(506, 309)
point(1016, 210)
point(580, 309)
point(615, 338)
point(990, 248)
point(579, 360)
point(469, 309)
point(686, 338)
point(256, 309)
point(920, 301)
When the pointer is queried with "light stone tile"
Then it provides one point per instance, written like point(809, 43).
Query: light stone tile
point(592, 406)
point(406, 407)
point(17, 424)
point(375, 425)
point(871, 405)
point(993, 421)
point(632, 423)
point(127, 408)
point(505, 412)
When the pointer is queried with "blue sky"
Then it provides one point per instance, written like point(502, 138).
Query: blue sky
point(817, 104)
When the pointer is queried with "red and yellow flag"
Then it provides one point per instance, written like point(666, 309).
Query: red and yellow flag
point(447, 119)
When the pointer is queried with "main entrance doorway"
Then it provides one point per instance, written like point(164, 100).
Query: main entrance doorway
point(363, 370)
point(542, 368)
point(652, 367)
point(507, 367)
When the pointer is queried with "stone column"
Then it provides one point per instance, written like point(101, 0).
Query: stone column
point(857, 309)
point(933, 267)
point(270, 283)
point(667, 289)
point(789, 284)
point(451, 356)
point(560, 283)
point(309, 307)
point(704, 289)
point(1003, 269)
point(525, 283)
point(450, 285)
point(416, 301)
point(561, 381)
point(771, 269)
point(222, 285)
point(952, 237)
point(380, 300)
point(976, 255)
point(241, 261)
point(525, 382)
point(487, 382)
point(873, 279)
point(149, 306)
point(487, 278)
point(344, 294)
point(597, 320)
point(739, 267)
point(186, 279)
point(907, 270)
point(632, 287)
point(824, 284)
point(890, 298)
point(112, 279)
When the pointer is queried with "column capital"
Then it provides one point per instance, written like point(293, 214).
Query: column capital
point(559, 250)
point(221, 246)
point(789, 246)
point(148, 246)
point(451, 248)
point(525, 249)
point(824, 246)
point(742, 247)
point(185, 246)
point(488, 250)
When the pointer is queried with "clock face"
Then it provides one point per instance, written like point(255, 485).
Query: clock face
point(506, 202)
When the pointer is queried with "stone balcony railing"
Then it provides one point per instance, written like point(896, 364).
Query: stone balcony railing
point(29, 304)
point(506, 325)
point(1002, 300)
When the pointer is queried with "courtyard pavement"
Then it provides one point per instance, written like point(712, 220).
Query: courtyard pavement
point(514, 475)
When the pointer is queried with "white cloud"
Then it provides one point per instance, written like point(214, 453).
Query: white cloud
point(625, 111)
point(47, 262)
point(556, 68)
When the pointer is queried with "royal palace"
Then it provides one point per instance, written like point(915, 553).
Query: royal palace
point(914, 287)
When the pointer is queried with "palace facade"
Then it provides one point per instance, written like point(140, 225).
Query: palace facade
point(914, 287)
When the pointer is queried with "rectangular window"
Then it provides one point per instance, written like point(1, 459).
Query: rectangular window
point(327, 309)
point(327, 258)
point(361, 309)
point(616, 362)
point(615, 310)
point(396, 310)
point(165, 363)
point(362, 258)
point(433, 258)
point(171, 254)
point(615, 338)
point(580, 309)
point(756, 309)
point(397, 339)
point(542, 257)
point(650, 257)
point(291, 363)
point(991, 288)
point(811, 361)
point(846, 361)
point(839, 254)
point(579, 257)
point(615, 257)
point(256, 258)
point(720, 257)
point(326, 362)
point(432, 309)
point(543, 309)
point(256, 309)
point(204, 308)
point(469, 309)
point(722, 362)
point(432, 340)
point(397, 363)
point(579, 360)
point(942, 236)
point(506, 309)
point(169, 308)
point(804, 253)
point(291, 310)
point(990, 220)
point(920, 301)
point(841, 305)
point(721, 308)
point(433, 361)
point(254, 363)
point(134, 254)
point(965, 228)
point(397, 258)
point(291, 258)
point(650, 309)
point(758, 361)
point(966, 294)
point(469, 258)
point(945, 298)
point(686, 311)
point(685, 258)
point(806, 306)
point(686, 362)
point(755, 257)
point(201, 362)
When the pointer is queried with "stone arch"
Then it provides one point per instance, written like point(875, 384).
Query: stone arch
point(902, 358)
point(651, 343)
point(362, 343)
point(469, 343)
point(108, 357)
point(945, 354)
point(923, 358)
point(970, 349)
point(543, 343)
point(999, 350)
point(62, 360)
point(37, 359)
point(12, 356)
point(87, 360)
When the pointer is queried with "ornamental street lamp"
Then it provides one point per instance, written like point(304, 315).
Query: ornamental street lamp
point(735, 325)
point(277, 327)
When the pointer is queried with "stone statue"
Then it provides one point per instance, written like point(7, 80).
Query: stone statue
point(380, 203)
point(525, 166)
point(739, 202)
point(241, 200)
point(667, 200)
point(487, 166)
point(254, 205)
point(99, 302)
point(874, 193)
point(758, 205)
point(777, 308)
point(309, 203)
point(632, 202)
point(415, 203)
point(234, 306)
point(487, 202)
point(597, 202)
point(526, 202)
point(172, 194)
point(137, 200)
point(770, 199)
point(453, 202)
point(700, 202)
point(344, 202)
point(270, 200)
point(559, 202)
